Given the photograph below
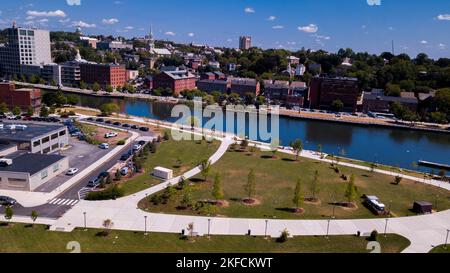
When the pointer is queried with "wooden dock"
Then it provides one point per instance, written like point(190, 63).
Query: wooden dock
point(434, 165)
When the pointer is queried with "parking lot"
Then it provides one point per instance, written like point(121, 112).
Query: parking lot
point(81, 155)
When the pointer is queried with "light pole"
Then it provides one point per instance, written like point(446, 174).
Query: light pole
point(334, 208)
point(85, 226)
point(328, 227)
point(145, 225)
point(209, 227)
point(390, 205)
point(385, 227)
point(265, 230)
point(446, 239)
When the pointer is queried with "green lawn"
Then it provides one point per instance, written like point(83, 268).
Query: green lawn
point(276, 180)
point(18, 238)
point(441, 249)
point(180, 156)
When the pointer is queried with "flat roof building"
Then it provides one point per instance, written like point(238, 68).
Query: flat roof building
point(103, 74)
point(177, 81)
point(24, 97)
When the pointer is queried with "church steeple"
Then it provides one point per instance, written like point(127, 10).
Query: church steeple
point(151, 40)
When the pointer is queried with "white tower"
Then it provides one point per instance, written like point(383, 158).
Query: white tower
point(151, 40)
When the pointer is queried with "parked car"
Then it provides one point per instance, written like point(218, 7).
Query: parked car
point(7, 201)
point(134, 126)
point(111, 135)
point(117, 123)
point(137, 147)
point(100, 120)
point(104, 146)
point(124, 170)
point(126, 156)
point(142, 142)
point(126, 125)
point(93, 182)
point(72, 171)
point(144, 129)
point(108, 122)
point(90, 119)
point(103, 175)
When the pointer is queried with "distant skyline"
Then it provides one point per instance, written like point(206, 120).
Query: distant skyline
point(415, 25)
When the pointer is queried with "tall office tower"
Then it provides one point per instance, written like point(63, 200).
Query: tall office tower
point(245, 42)
point(29, 47)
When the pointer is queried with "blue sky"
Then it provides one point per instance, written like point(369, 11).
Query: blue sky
point(415, 25)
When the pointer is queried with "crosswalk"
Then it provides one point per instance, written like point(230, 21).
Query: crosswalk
point(63, 202)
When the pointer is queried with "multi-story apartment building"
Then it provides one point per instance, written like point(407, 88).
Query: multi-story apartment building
point(24, 97)
point(177, 81)
point(103, 74)
point(245, 42)
point(242, 86)
point(25, 47)
point(209, 86)
point(323, 91)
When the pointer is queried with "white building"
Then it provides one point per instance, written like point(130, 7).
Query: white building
point(163, 173)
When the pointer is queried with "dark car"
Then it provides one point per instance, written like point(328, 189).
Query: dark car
point(126, 125)
point(144, 129)
point(126, 156)
point(90, 119)
point(7, 201)
point(100, 120)
point(142, 142)
point(134, 127)
point(102, 176)
point(108, 122)
point(117, 123)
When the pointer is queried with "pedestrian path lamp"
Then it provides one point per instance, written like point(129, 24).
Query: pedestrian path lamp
point(328, 228)
point(85, 226)
point(446, 239)
point(145, 225)
point(209, 227)
point(385, 228)
point(265, 230)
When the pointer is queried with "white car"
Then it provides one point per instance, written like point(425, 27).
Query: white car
point(104, 146)
point(111, 135)
point(72, 171)
point(137, 147)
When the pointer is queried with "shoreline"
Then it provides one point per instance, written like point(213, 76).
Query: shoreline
point(368, 122)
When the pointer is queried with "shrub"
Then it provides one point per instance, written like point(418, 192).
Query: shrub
point(373, 236)
point(108, 194)
point(283, 237)
point(121, 142)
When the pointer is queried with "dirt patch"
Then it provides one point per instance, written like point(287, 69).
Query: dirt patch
point(311, 201)
point(223, 203)
point(251, 202)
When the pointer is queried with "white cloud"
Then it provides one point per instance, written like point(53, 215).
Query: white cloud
point(170, 33)
point(64, 21)
point(424, 42)
point(56, 13)
point(271, 18)
point(443, 17)
point(191, 34)
point(110, 21)
point(249, 10)
point(311, 28)
point(45, 20)
point(442, 46)
point(129, 28)
point(83, 24)
point(391, 28)
point(73, 2)
point(278, 27)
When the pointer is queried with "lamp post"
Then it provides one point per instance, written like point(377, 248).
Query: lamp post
point(385, 227)
point(209, 227)
point(390, 206)
point(334, 208)
point(446, 239)
point(145, 225)
point(85, 226)
point(265, 230)
point(328, 227)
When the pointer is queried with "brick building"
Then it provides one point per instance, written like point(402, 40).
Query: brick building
point(103, 74)
point(24, 97)
point(323, 91)
point(242, 86)
point(209, 86)
point(177, 81)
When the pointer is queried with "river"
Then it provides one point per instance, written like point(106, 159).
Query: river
point(390, 146)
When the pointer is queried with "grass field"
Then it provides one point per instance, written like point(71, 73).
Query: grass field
point(441, 249)
point(276, 180)
point(180, 156)
point(19, 238)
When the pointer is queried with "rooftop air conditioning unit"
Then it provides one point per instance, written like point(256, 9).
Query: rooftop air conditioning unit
point(6, 162)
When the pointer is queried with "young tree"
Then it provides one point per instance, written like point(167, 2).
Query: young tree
point(34, 215)
point(350, 192)
point(96, 87)
point(274, 147)
point(315, 189)
point(283, 237)
point(9, 213)
point(16, 111)
point(109, 108)
point(118, 175)
point(298, 195)
point(107, 224)
point(44, 111)
point(186, 202)
point(250, 187)
point(30, 111)
point(217, 192)
point(109, 89)
point(3, 108)
point(206, 168)
point(397, 180)
point(297, 146)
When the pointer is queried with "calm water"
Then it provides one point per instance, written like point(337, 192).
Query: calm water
point(396, 147)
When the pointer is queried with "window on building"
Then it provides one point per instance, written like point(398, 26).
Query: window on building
point(44, 174)
point(55, 146)
point(46, 150)
point(54, 136)
point(62, 133)
point(36, 143)
point(45, 139)
point(55, 167)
